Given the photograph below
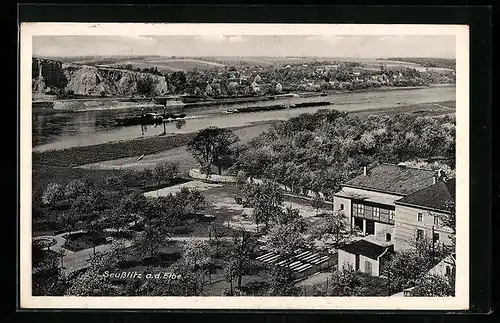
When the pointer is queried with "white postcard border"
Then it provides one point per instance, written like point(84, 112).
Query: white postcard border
point(459, 302)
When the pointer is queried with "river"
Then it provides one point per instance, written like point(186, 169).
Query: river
point(72, 129)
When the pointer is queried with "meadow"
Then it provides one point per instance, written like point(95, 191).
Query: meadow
point(173, 64)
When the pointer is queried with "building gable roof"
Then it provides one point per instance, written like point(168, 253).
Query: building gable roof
point(365, 248)
point(393, 179)
point(433, 197)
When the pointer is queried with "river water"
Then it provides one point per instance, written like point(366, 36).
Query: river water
point(72, 129)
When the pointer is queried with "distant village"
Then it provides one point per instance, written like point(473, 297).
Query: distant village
point(313, 77)
point(66, 80)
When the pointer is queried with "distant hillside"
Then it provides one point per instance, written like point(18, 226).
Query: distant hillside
point(53, 77)
point(427, 61)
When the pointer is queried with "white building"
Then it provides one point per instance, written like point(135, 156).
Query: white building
point(364, 256)
point(393, 206)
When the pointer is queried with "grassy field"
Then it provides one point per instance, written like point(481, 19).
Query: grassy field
point(90, 154)
point(171, 64)
point(168, 65)
point(422, 109)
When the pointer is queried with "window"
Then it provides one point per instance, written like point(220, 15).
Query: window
point(391, 215)
point(435, 237)
point(360, 209)
point(436, 220)
point(419, 217)
point(341, 206)
point(448, 270)
point(420, 234)
point(388, 237)
point(376, 212)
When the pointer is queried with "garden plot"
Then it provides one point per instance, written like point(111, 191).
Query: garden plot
point(195, 185)
point(239, 217)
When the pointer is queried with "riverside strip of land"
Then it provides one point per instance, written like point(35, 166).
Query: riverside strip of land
point(112, 158)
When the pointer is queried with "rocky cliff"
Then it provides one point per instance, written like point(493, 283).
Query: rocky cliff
point(54, 77)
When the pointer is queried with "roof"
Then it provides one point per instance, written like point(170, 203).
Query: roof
point(432, 197)
point(365, 248)
point(367, 196)
point(393, 179)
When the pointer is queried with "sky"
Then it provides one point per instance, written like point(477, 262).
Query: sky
point(362, 46)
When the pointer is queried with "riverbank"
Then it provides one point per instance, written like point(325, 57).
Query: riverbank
point(121, 103)
point(112, 159)
point(77, 156)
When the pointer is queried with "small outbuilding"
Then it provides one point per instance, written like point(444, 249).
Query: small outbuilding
point(364, 256)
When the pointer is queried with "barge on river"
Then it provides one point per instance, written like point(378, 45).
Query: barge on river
point(277, 107)
point(148, 119)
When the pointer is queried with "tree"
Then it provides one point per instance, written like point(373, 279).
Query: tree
point(94, 230)
point(317, 202)
point(132, 178)
point(114, 182)
point(241, 177)
point(230, 268)
point(145, 85)
point(285, 239)
point(181, 199)
point(196, 254)
point(266, 199)
point(291, 217)
point(117, 219)
point(405, 268)
point(212, 147)
point(52, 194)
point(241, 254)
point(47, 277)
point(150, 241)
point(334, 230)
point(345, 282)
point(282, 282)
point(434, 286)
point(145, 177)
point(196, 201)
point(133, 204)
point(216, 234)
point(163, 212)
point(90, 205)
point(165, 172)
point(70, 219)
point(92, 282)
point(192, 283)
point(74, 189)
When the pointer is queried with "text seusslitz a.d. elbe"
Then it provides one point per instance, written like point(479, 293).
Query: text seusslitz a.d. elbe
point(137, 275)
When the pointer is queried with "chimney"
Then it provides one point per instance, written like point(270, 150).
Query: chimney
point(364, 170)
point(433, 180)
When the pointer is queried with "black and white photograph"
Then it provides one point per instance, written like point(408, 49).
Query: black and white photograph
point(244, 166)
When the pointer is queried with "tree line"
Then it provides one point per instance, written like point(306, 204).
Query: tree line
point(319, 151)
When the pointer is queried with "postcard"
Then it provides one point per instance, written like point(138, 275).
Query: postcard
point(244, 166)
